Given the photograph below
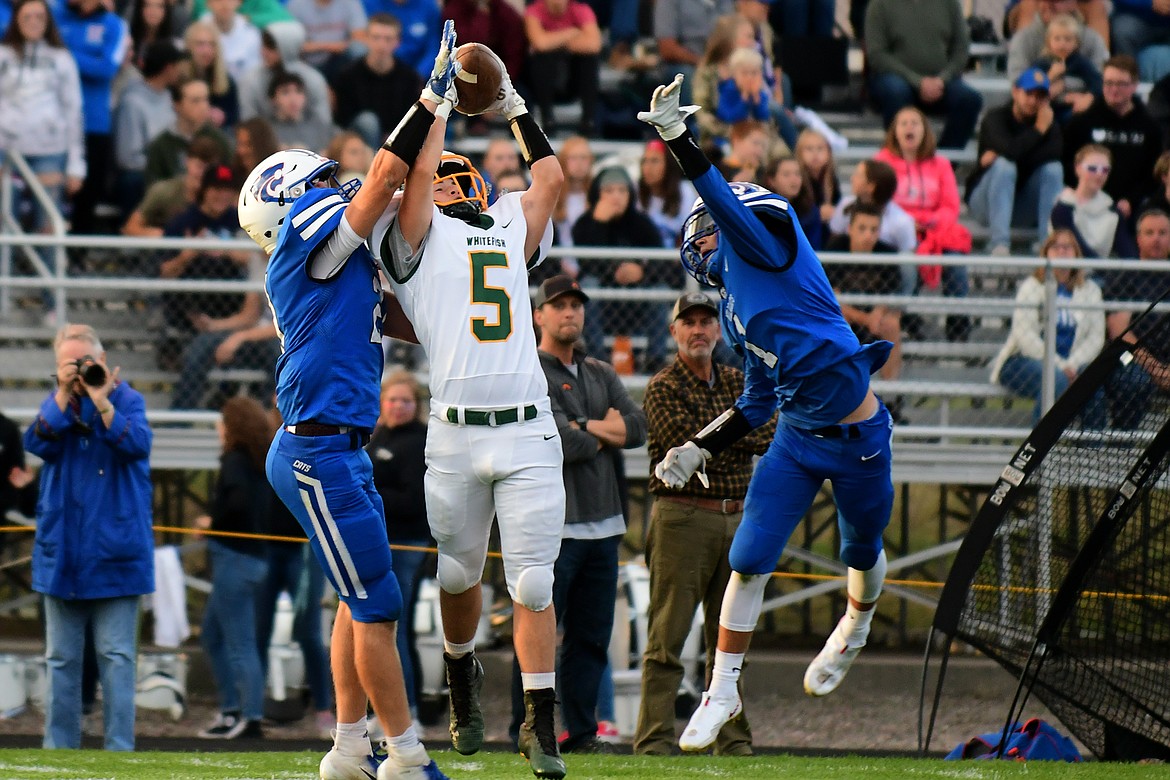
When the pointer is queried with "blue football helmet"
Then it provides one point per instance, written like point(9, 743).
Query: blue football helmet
point(770, 208)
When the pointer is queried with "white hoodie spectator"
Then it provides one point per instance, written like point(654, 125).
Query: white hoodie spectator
point(40, 108)
point(40, 103)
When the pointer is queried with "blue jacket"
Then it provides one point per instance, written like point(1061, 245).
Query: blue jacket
point(421, 21)
point(94, 509)
point(732, 108)
point(98, 43)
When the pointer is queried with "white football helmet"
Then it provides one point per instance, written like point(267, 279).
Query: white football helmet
point(273, 185)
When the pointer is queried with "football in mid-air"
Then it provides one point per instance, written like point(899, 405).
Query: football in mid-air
point(478, 81)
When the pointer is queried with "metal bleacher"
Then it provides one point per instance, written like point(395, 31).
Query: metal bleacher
point(957, 424)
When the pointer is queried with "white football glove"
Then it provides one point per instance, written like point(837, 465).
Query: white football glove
point(681, 463)
point(667, 116)
point(508, 101)
point(440, 88)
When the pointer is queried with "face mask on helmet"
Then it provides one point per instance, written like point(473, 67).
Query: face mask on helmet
point(472, 199)
point(771, 210)
point(697, 263)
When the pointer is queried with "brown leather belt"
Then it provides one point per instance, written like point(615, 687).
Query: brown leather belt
point(724, 506)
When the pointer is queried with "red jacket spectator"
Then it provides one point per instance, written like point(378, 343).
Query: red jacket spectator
point(927, 190)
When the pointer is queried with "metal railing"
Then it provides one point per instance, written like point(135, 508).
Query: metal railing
point(996, 305)
point(11, 225)
point(942, 449)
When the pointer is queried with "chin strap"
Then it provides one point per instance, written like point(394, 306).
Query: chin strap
point(465, 210)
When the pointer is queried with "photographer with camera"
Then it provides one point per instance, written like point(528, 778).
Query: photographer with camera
point(93, 556)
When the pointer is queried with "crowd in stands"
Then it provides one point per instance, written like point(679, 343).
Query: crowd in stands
point(160, 108)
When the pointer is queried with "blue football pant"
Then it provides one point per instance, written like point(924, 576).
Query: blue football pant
point(328, 485)
point(787, 480)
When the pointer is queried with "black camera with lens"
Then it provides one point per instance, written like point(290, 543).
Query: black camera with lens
point(92, 373)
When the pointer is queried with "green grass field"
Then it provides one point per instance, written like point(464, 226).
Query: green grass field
point(92, 765)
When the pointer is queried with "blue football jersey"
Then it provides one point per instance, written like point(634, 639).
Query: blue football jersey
point(330, 330)
point(778, 309)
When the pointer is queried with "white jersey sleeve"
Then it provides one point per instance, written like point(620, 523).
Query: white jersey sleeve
point(546, 240)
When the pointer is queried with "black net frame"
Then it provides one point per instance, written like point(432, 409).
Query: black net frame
point(1099, 660)
point(1037, 522)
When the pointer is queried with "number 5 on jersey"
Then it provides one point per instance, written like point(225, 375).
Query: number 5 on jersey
point(482, 293)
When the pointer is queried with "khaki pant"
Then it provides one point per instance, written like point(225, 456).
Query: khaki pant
point(686, 551)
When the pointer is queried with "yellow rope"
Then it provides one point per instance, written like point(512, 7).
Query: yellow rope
point(781, 575)
point(412, 548)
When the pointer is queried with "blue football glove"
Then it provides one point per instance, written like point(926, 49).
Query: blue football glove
point(667, 116)
point(440, 88)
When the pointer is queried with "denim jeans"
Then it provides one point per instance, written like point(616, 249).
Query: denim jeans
point(292, 569)
point(605, 696)
point(406, 569)
point(623, 22)
point(1031, 207)
point(1024, 376)
point(1129, 388)
point(960, 103)
point(956, 283)
point(584, 595)
point(802, 18)
point(115, 637)
point(129, 189)
point(229, 629)
point(199, 358)
point(1149, 45)
point(25, 202)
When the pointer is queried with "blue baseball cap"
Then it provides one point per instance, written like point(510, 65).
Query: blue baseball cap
point(1032, 79)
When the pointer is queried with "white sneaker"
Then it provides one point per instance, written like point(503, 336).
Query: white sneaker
point(341, 766)
point(708, 719)
point(407, 767)
point(828, 669)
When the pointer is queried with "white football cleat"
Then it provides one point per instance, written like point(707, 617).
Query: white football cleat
point(708, 719)
point(340, 766)
point(830, 666)
point(415, 766)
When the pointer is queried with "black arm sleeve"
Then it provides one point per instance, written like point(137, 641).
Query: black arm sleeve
point(690, 157)
point(726, 430)
point(533, 142)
